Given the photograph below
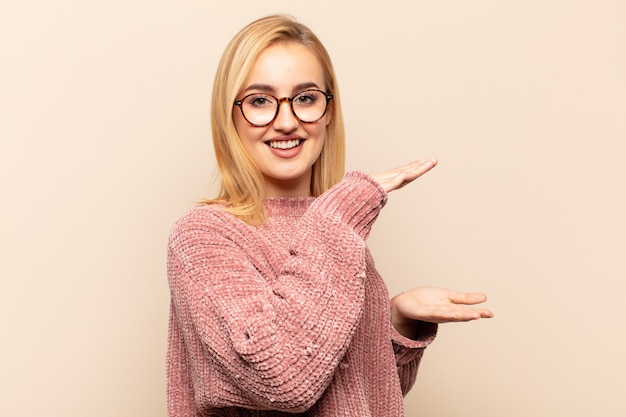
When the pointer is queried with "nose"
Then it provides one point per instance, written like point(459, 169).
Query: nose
point(285, 119)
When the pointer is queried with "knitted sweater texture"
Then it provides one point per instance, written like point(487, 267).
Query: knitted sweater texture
point(286, 318)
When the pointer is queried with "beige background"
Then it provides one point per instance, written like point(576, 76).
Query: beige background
point(105, 142)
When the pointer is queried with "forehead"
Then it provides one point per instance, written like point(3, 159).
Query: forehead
point(285, 66)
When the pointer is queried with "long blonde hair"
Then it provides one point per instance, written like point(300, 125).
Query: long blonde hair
point(242, 188)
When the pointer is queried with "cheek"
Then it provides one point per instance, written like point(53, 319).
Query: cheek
point(318, 129)
point(322, 132)
point(320, 139)
point(238, 121)
point(246, 133)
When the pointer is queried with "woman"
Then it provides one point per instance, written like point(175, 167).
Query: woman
point(276, 304)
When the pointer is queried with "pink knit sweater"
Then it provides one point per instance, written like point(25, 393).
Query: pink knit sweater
point(289, 317)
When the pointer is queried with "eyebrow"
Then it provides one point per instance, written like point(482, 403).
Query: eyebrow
point(269, 89)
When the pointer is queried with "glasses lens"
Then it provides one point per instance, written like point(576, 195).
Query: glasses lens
point(309, 105)
point(259, 109)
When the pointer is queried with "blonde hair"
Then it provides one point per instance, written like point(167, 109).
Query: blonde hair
point(242, 188)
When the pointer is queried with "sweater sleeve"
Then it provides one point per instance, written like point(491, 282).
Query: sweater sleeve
point(259, 336)
point(409, 352)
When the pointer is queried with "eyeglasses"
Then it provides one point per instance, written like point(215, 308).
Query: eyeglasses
point(260, 109)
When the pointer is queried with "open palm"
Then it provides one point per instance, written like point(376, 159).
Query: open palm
point(437, 305)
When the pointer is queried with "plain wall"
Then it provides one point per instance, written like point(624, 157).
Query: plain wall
point(105, 141)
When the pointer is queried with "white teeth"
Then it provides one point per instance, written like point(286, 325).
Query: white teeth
point(285, 144)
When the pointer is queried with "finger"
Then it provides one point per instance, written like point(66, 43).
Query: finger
point(419, 167)
point(486, 314)
point(468, 298)
point(433, 315)
point(450, 316)
point(469, 314)
point(399, 177)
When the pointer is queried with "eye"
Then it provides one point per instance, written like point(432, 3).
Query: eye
point(306, 98)
point(259, 100)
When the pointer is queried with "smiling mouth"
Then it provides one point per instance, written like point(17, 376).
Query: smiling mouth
point(285, 144)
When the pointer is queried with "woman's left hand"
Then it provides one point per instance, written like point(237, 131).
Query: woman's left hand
point(435, 305)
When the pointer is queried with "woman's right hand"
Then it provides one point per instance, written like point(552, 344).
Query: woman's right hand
point(399, 177)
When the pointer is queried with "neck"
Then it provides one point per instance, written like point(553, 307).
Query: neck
point(300, 187)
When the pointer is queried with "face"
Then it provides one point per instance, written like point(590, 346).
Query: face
point(286, 149)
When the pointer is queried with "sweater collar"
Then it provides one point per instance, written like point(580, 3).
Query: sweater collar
point(287, 206)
